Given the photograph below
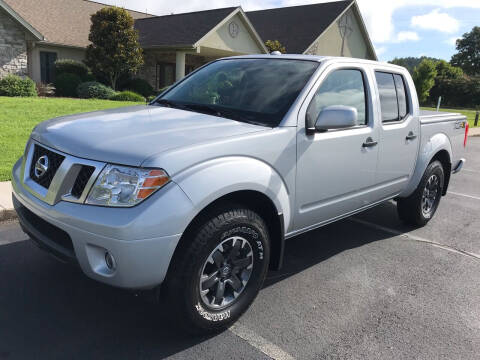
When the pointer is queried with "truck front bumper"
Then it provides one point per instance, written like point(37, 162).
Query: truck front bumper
point(141, 239)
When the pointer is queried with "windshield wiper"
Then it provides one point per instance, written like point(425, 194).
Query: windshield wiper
point(222, 112)
point(171, 104)
point(209, 110)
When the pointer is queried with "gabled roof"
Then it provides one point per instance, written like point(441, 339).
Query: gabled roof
point(25, 24)
point(179, 29)
point(297, 27)
point(62, 22)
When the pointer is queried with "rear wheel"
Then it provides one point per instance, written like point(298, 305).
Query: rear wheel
point(419, 208)
point(219, 270)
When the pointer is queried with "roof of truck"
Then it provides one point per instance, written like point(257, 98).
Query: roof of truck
point(317, 58)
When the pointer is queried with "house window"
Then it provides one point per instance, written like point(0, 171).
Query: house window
point(165, 75)
point(47, 66)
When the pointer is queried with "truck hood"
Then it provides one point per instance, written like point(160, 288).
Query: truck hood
point(130, 135)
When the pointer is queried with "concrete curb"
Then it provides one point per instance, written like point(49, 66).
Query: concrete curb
point(6, 205)
point(474, 131)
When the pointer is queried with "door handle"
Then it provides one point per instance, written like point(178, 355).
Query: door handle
point(411, 136)
point(369, 143)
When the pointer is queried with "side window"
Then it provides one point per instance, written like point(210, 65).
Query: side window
point(341, 87)
point(402, 96)
point(388, 96)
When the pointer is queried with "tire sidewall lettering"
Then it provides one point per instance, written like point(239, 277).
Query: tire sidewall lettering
point(253, 234)
point(214, 317)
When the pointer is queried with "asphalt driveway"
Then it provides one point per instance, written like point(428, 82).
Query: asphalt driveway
point(367, 287)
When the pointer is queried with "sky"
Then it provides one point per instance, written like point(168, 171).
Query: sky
point(397, 28)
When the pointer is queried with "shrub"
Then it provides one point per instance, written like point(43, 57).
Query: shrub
point(13, 85)
point(69, 66)
point(151, 97)
point(66, 84)
point(127, 96)
point(45, 89)
point(139, 86)
point(94, 90)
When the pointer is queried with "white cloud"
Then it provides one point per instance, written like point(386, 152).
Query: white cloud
point(380, 50)
point(403, 36)
point(452, 41)
point(436, 20)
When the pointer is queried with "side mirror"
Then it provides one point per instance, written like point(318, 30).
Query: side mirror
point(336, 117)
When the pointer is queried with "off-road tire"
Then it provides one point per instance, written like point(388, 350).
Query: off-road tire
point(184, 282)
point(410, 208)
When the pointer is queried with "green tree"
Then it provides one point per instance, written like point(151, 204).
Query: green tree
point(114, 50)
point(275, 45)
point(410, 63)
point(424, 78)
point(468, 56)
point(448, 71)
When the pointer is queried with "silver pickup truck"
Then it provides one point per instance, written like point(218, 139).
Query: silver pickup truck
point(196, 192)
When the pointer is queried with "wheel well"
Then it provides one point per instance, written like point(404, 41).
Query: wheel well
point(253, 200)
point(444, 157)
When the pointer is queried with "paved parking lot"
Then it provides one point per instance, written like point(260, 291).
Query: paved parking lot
point(364, 288)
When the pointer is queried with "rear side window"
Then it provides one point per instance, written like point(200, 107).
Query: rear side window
point(388, 96)
point(342, 87)
point(393, 96)
point(401, 95)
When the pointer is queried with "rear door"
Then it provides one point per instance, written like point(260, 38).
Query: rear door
point(335, 169)
point(399, 134)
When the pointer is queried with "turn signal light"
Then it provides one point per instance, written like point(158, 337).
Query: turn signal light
point(155, 180)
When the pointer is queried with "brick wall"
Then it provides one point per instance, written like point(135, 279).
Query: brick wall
point(13, 47)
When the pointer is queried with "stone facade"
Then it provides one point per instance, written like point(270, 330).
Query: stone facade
point(13, 47)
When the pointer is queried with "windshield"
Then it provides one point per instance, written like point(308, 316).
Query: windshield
point(258, 91)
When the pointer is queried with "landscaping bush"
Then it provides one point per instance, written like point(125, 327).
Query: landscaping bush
point(139, 86)
point(69, 66)
point(151, 97)
point(66, 84)
point(127, 96)
point(94, 90)
point(13, 85)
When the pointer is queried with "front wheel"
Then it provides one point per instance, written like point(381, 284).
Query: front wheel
point(419, 208)
point(219, 270)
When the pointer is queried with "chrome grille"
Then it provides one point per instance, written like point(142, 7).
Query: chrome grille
point(82, 179)
point(67, 177)
point(54, 159)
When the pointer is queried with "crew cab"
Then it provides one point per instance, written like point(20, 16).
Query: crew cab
point(196, 192)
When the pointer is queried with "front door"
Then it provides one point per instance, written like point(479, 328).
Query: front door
point(47, 66)
point(336, 168)
point(399, 135)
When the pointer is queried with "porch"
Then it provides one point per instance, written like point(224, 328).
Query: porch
point(163, 67)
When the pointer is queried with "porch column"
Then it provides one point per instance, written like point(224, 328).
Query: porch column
point(180, 65)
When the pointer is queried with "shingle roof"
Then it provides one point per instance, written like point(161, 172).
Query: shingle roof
point(296, 27)
point(179, 29)
point(65, 22)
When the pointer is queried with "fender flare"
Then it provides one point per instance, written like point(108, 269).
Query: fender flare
point(208, 181)
point(433, 146)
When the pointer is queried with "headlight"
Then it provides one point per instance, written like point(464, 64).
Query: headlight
point(125, 186)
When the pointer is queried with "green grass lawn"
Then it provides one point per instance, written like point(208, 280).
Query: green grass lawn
point(470, 114)
point(18, 116)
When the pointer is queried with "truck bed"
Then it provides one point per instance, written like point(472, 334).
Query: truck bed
point(435, 124)
point(427, 116)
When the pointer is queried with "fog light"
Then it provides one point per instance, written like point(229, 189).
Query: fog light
point(110, 261)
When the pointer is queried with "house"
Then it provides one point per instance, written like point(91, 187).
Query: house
point(34, 33)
